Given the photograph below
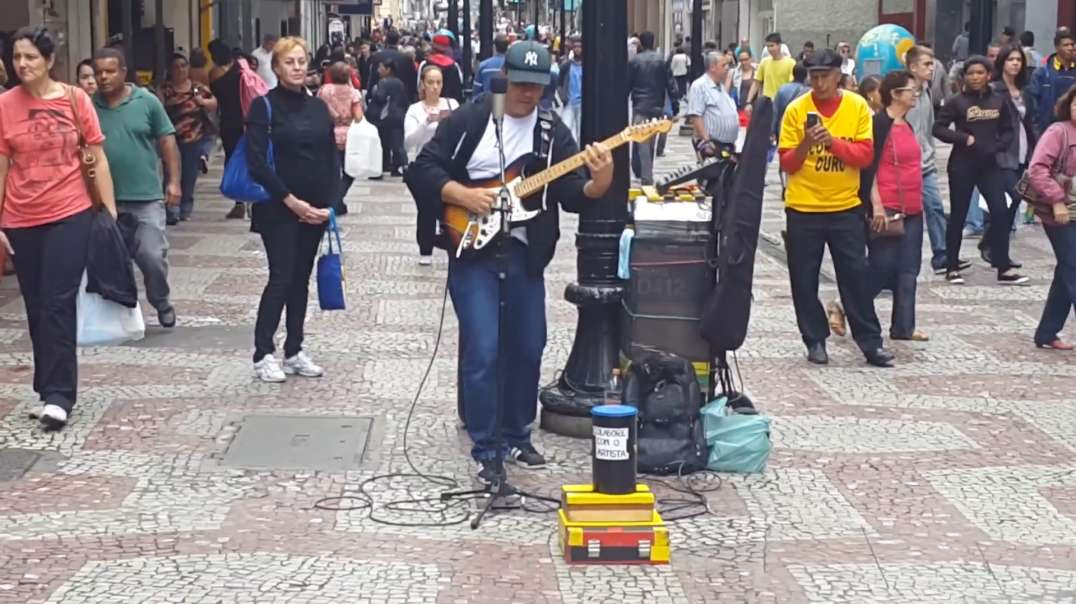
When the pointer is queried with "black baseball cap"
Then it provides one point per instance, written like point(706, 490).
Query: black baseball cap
point(823, 61)
point(528, 63)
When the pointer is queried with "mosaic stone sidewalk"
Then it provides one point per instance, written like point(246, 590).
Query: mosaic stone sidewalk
point(949, 478)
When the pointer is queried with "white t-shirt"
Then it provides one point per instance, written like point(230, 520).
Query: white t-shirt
point(265, 65)
point(848, 67)
point(518, 135)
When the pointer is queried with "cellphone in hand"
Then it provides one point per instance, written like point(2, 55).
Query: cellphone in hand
point(812, 120)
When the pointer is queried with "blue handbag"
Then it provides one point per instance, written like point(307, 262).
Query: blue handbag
point(237, 183)
point(331, 270)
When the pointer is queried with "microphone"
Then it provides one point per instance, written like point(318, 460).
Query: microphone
point(499, 87)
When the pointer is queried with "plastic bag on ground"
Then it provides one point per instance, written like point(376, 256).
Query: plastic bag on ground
point(738, 443)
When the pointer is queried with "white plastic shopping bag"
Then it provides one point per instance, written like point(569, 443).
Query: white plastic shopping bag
point(102, 322)
point(362, 154)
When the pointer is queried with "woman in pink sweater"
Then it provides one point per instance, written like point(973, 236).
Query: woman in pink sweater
point(1057, 198)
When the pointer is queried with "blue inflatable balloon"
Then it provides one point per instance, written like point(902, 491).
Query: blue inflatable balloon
point(882, 49)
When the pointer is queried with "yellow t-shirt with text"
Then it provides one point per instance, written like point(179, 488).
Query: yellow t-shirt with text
point(825, 183)
point(774, 73)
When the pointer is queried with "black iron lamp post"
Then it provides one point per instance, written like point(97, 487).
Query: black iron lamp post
point(485, 29)
point(597, 292)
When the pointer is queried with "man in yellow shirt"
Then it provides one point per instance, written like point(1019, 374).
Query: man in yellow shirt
point(826, 139)
point(773, 72)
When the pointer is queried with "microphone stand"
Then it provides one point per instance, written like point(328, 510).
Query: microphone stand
point(499, 488)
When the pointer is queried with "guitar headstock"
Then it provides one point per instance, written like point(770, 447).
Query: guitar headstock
point(644, 131)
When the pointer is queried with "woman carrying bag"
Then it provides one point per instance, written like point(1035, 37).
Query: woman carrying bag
point(894, 185)
point(420, 124)
point(345, 106)
point(47, 131)
point(301, 189)
point(1051, 173)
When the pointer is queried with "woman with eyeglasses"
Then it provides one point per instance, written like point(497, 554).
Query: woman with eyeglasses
point(893, 189)
point(741, 77)
point(1010, 81)
point(977, 123)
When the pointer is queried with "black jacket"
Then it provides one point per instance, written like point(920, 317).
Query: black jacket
point(388, 102)
point(649, 80)
point(984, 115)
point(881, 125)
point(404, 69)
point(109, 270)
point(445, 158)
point(306, 157)
point(1009, 159)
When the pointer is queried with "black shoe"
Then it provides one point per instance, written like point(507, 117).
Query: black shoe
point(238, 212)
point(1012, 279)
point(816, 353)
point(490, 471)
point(880, 357)
point(963, 265)
point(171, 220)
point(167, 317)
point(526, 456)
point(203, 164)
point(954, 278)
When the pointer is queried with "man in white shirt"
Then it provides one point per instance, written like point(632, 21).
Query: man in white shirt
point(264, 55)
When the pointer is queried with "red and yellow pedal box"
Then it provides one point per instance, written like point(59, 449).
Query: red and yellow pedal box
point(614, 543)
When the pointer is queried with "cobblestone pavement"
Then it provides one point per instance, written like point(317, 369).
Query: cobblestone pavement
point(949, 478)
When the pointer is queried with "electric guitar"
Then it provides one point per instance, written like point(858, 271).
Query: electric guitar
point(466, 230)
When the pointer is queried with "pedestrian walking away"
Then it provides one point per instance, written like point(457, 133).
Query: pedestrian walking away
point(138, 135)
point(826, 139)
point(45, 211)
point(302, 188)
point(981, 128)
point(188, 105)
point(345, 106)
point(1057, 202)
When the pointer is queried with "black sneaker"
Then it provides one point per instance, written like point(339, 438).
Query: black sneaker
point(954, 278)
point(526, 456)
point(1013, 279)
point(203, 164)
point(963, 265)
point(490, 471)
point(167, 317)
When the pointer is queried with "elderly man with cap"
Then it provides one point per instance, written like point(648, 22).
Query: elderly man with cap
point(826, 139)
point(441, 56)
point(509, 270)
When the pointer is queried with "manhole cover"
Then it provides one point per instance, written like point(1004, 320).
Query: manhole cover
point(282, 442)
point(15, 462)
point(204, 337)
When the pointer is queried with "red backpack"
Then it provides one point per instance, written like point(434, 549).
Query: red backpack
point(251, 86)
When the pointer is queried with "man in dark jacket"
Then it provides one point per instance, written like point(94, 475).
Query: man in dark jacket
point(1054, 79)
point(463, 150)
point(649, 81)
point(403, 66)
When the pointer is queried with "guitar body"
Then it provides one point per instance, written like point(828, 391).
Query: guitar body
point(474, 231)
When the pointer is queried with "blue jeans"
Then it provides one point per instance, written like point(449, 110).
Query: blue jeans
point(474, 286)
point(934, 213)
point(1061, 301)
point(894, 263)
point(189, 156)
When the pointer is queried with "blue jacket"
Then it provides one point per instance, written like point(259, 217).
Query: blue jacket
point(486, 70)
point(1048, 84)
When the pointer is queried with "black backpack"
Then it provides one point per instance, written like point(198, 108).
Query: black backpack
point(666, 393)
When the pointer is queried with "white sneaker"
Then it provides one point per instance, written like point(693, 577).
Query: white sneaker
point(301, 365)
point(268, 370)
point(425, 260)
point(53, 417)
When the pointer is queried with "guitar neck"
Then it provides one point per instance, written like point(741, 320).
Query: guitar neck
point(533, 184)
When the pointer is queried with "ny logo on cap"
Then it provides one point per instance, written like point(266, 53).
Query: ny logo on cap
point(531, 58)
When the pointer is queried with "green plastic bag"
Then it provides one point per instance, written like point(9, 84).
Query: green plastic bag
point(738, 442)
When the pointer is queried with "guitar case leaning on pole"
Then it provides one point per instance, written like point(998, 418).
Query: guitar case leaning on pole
point(728, 308)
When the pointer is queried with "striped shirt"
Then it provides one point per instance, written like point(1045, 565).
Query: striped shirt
point(716, 107)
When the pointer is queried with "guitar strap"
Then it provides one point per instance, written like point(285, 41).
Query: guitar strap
point(545, 147)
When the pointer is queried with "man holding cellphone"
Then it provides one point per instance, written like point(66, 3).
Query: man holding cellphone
point(826, 139)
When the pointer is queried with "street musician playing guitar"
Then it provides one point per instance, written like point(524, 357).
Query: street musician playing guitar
point(464, 151)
